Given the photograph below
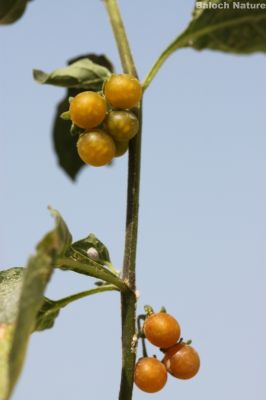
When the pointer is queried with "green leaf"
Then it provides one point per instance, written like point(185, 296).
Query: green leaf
point(79, 262)
point(23, 307)
point(11, 281)
point(65, 144)
point(91, 242)
point(36, 278)
point(83, 74)
point(11, 10)
point(59, 239)
point(233, 30)
point(10, 288)
point(47, 314)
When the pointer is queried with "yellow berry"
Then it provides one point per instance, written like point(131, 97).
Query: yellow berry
point(96, 148)
point(123, 91)
point(87, 110)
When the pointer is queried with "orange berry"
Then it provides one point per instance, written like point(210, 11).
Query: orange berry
point(150, 375)
point(182, 361)
point(161, 329)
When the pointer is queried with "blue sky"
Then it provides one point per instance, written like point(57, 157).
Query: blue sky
point(202, 212)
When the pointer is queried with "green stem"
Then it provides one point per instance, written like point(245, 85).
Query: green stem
point(58, 304)
point(128, 299)
point(158, 64)
point(141, 335)
point(120, 37)
point(50, 307)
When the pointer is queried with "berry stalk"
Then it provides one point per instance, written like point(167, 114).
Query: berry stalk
point(128, 299)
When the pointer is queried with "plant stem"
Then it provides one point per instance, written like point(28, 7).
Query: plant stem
point(120, 37)
point(128, 299)
point(58, 304)
point(141, 335)
point(158, 64)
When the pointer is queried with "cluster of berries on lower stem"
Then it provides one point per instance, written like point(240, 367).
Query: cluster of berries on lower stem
point(107, 119)
point(180, 359)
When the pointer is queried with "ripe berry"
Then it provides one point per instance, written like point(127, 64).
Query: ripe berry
point(150, 375)
point(120, 148)
point(96, 148)
point(182, 361)
point(87, 110)
point(123, 91)
point(122, 125)
point(162, 330)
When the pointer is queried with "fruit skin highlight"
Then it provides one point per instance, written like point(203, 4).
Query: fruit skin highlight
point(123, 91)
point(182, 361)
point(122, 125)
point(87, 110)
point(96, 148)
point(162, 330)
point(150, 375)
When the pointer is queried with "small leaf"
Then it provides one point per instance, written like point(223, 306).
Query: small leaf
point(91, 241)
point(46, 316)
point(82, 74)
point(11, 10)
point(65, 144)
point(35, 280)
point(65, 115)
point(77, 260)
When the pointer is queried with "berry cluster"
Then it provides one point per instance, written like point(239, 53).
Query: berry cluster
point(180, 359)
point(105, 117)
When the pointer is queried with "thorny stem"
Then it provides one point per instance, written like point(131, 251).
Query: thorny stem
point(128, 299)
